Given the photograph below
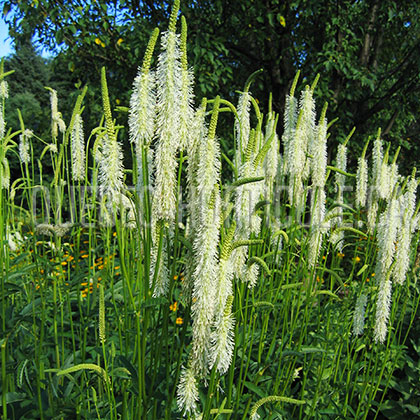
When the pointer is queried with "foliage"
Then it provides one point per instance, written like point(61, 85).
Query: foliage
point(104, 287)
point(365, 51)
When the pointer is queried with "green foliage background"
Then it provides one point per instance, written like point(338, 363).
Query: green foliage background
point(365, 51)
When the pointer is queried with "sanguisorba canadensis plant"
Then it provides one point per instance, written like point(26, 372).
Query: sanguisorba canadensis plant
point(271, 296)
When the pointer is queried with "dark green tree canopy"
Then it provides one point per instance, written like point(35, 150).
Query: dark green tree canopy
point(366, 52)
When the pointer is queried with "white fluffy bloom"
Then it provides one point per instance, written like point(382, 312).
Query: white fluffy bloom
point(384, 187)
point(337, 238)
point(318, 198)
point(315, 241)
point(223, 340)
point(319, 155)
point(298, 148)
point(383, 304)
point(187, 392)
point(206, 242)
point(141, 116)
point(142, 111)
point(242, 127)
point(57, 122)
point(372, 213)
point(402, 255)
point(111, 171)
point(198, 137)
point(377, 155)
point(271, 161)
point(340, 179)
point(251, 274)
point(5, 181)
point(361, 182)
point(247, 221)
point(204, 291)
point(168, 77)
point(78, 149)
point(186, 92)
point(290, 118)
point(359, 315)
point(246, 197)
point(308, 125)
point(224, 275)
point(393, 177)
point(317, 225)
point(387, 233)
point(53, 101)
point(4, 94)
point(4, 90)
point(24, 154)
point(2, 122)
point(50, 230)
point(14, 239)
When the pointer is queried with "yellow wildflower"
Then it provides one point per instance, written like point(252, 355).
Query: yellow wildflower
point(179, 321)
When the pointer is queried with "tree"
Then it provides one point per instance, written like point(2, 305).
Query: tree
point(365, 51)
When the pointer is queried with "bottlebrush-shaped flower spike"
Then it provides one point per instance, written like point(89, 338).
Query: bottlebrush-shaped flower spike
point(24, 153)
point(4, 94)
point(223, 339)
point(271, 161)
point(57, 122)
point(387, 233)
point(198, 136)
point(186, 101)
point(204, 291)
point(78, 149)
point(319, 151)
point(362, 179)
point(111, 162)
point(206, 247)
point(404, 235)
point(142, 107)
point(318, 170)
point(168, 92)
point(359, 315)
point(187, 392)
point(290, 120)
point(243, 126)
point(303, 137)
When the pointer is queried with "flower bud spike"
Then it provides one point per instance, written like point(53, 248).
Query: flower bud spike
point(174, 16)
point(349, 136)
point(294, 84)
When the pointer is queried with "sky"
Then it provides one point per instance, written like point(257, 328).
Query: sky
point(6, 45)
point(5, 41)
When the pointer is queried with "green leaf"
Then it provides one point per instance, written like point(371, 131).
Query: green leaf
point(254, 388)
point(362, 269)
point(12, 397)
